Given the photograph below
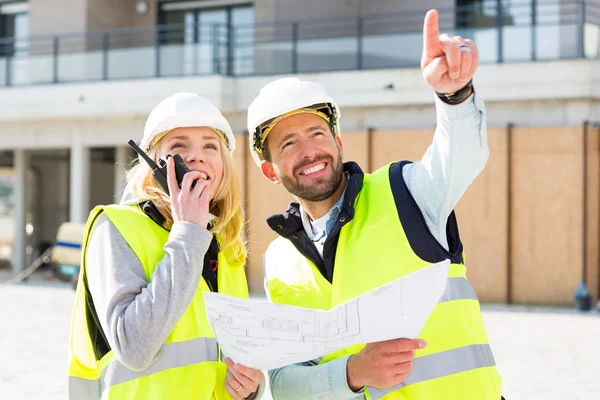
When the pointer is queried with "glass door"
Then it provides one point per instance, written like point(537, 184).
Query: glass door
point(212, 36)
point(212, 31)
point(242, 21)
point(14, 26)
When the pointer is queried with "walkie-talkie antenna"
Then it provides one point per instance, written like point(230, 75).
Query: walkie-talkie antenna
point(143, 154)
point(159, 173)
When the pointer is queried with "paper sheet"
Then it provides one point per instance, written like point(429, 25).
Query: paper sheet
point(263, 336)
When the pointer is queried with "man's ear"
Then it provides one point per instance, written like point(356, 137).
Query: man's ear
point(268, 171)
point(338, 141)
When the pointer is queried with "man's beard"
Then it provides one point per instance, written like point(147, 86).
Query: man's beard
point(323, 187)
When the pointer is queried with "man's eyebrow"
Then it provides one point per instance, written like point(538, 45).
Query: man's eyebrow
point(314, 128)
point(286, 137)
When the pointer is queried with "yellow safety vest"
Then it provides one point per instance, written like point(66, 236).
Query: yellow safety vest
point(373, 250)
point(189, 366)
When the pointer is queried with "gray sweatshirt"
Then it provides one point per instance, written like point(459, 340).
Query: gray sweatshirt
point(137, 316)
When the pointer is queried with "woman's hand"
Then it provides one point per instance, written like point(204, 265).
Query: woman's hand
point(188, 204)
point(241, 381)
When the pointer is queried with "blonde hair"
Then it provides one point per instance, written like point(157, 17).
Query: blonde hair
point(226, 205)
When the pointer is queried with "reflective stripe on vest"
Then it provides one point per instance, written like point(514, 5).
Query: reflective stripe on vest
point(442, 364)
point(174, 355)
point(458, 289)
point(83, 389)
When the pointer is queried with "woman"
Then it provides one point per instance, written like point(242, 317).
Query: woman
point(139, 328)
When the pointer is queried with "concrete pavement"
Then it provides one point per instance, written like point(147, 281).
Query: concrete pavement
point(541, 353)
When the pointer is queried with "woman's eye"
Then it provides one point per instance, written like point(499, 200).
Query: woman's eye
point(211, 146)
point(177, 146)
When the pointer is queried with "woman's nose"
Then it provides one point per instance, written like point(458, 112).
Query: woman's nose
point(195, 156)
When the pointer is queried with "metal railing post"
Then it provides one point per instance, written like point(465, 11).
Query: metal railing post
point(581, 28)
point(105, 56)
point(359, 43)
point(230, 47)
point(157, 38)
point(215, 48)
point(500, 30)
point(8, 70)
point(55, 51)
point(533, 30)
point(295, 47)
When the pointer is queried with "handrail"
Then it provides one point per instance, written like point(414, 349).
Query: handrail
point(348, 42)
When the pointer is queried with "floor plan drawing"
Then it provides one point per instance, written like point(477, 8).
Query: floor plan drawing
point(343, 321)
point(262, 335)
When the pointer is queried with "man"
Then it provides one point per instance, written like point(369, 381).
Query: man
point(348, 233)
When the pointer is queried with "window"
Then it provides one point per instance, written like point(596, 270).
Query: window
point(14, 24)
point(209, 34)
point(481, 13)
point(194, 21)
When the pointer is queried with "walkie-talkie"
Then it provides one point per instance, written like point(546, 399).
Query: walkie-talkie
point(160, 172)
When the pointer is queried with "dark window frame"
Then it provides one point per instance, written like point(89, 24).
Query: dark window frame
point(8, 22)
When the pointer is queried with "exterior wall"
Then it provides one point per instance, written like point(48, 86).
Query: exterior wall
point(593, 211)
point(49, 17)
point(548, 214)
point(114, 14)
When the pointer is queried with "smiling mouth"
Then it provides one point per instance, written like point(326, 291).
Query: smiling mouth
point(312, 170)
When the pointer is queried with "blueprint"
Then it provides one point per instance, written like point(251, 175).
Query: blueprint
point(263, 336)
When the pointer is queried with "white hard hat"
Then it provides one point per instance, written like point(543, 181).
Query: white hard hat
point(281, 97)
point(183, 110)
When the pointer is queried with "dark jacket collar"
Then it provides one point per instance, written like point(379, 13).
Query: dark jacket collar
point(290, 221)
point(152, 212)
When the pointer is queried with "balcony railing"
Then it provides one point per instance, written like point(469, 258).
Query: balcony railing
point(504, 31)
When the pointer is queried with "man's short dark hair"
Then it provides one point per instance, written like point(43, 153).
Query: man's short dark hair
point(266, 154)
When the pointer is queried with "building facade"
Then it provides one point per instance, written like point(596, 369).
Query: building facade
point(78, 78)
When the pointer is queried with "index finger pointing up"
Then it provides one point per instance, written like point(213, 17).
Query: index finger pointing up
point(431, 34)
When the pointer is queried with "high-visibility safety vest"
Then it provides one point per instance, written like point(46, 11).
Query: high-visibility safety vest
point(189, 366)
point(372, 250)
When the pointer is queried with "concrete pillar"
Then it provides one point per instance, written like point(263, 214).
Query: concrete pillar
point(121, 162)
point(79, 182)
point(20, 163)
